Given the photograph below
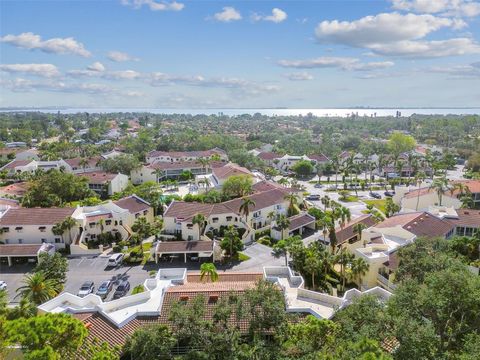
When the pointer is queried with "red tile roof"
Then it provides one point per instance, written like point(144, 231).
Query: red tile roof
point(15, 163)
point(419, 223)
point(98, 177)
point(17, 189)
point(467, 218)
point(133, 204)
point(268, 156)
point(180, 154)
point(300, 220)
point(19, 249)
point(228, 170)
point(75, 162)
point(347, 232)
point(319, 157)
point(161, 165)
point(35, 216)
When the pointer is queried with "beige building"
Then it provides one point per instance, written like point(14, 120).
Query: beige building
point(105, 183)
point(176, 156)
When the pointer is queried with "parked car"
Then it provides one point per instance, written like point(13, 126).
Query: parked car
point(115, 259)
point(375, 195)
point(318, 186)
point(3, 285)
point(332, 187)
point(104, 289)
point(389, 193)
point(86, 288)
point(122, 289)
point(313, 197)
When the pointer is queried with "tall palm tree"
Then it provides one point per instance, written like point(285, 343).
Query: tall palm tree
point(336, 167)
point(313, 265)
point(283, 181)
point(344, 215)
point(359, 268)
point(199, 219)
point(208, 270)
point(67, 225)
point(83, 163)
point(292, 199)
point(204, 162)
point(325, 200)
point(38, 289)
point(282, 223)
point(271, 215)
point(58, 230)
point(419, 178)
point(358, 228)
point(245, 206)
point(440, 185)
point(344, 258)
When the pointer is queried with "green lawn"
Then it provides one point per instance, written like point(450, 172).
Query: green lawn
point(379, 204)
point(349, 198)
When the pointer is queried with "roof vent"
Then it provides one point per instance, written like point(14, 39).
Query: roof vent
point(415, 223)
point(466, 212)
point(409, 227)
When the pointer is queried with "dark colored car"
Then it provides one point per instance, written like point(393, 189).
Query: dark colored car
point(313, 197)
point(389, 193)
point(104, 289)
point(122, 289)
point(375, 195)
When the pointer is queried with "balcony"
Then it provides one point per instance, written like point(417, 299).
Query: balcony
point(382, 280)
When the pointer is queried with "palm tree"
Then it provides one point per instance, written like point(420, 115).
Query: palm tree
point(208, 270)
point(292, 199)
point(271, 215)
point(199, 219)
point(358, 228)
point(282, 223)
point(344, 215)
point(245, 207)
point(440, 186)
point(58, 230)
point(313, 265)
point(419, 178)
point(325, 200)
point(38, 289)
point(67, 225)
point(336, 167)
point(204, 162)
point(359, 268)
point(344, 258)
point(283, 181)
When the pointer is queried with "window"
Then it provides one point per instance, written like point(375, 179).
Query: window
point(5, 229)
point(108, 222)
point(213, 299)
point(58, 241)
point(190, 238)
point(93, 236)
point(42, 228)
point(7, 241)
point(20, 241)
point(229, 218)
point(121, 222)
point(189, 226)
point(145, 212)
point(257, 214)
point(44, 240)
point(136, 216)
point(19, 228)
point(215, 220)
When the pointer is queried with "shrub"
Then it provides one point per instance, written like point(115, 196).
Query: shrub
point(265, 241)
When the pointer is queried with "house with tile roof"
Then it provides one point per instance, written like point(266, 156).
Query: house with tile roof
point(420, 199)
point(221, 174)
point(105, 183)
point(176, 156)
point(386, 237)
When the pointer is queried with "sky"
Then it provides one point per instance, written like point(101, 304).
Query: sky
point(240, 54)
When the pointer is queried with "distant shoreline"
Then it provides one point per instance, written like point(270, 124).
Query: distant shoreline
point(321, 112)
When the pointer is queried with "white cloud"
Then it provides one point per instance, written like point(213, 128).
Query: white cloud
point(96, 66)
point(44, 70)
point(382, 28)
point(110, 75)
point(428, 49)
point(154, 5)
point(277, 16)
point(344, 63)
point(228, 14)
point(394, 34)
point(468, 71)
point(466, 8)
point(299, 76)
point(119, 56)
point(33, 41)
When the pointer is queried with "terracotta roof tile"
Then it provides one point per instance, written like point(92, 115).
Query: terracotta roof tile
point(184, 246)
point(35, 216)
point(133, 204)
point(467, 218)
point(228, 170)
point(347, 232)
point(19, 249)
point(98, 177)
point(419, 224)
point(300, 220)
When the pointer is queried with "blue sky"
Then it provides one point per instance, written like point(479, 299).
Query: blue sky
point(194, 54)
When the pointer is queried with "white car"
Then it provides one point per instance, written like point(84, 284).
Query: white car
point(3, 285)
point(115, 259)
point(87, 288)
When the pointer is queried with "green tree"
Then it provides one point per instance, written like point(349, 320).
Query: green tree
point(151, 343)
point(237, 186)
point(303, 168)
point(440, 186)
point(49, 336)
point(54, 267)
point(38, 288)
point(245, 206)
point(208, 270)
point(282, 222)
point(231, 242)
point(399, 143)
point(292, 199)
point(282, 247)
point(199, 220)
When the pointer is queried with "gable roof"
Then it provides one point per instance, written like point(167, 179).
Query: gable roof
point(180, 154)
point(98, 177)
point(267, 155)
point(16, 163)
point(467, 218)
point(228, 170)
point(75, 162)
point(320, 157)
point(162, 165)
point(347, 232)
point(35, 216)
point(133, 204)
point(419, 224)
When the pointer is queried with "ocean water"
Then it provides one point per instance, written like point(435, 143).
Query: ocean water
point(338, 112)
